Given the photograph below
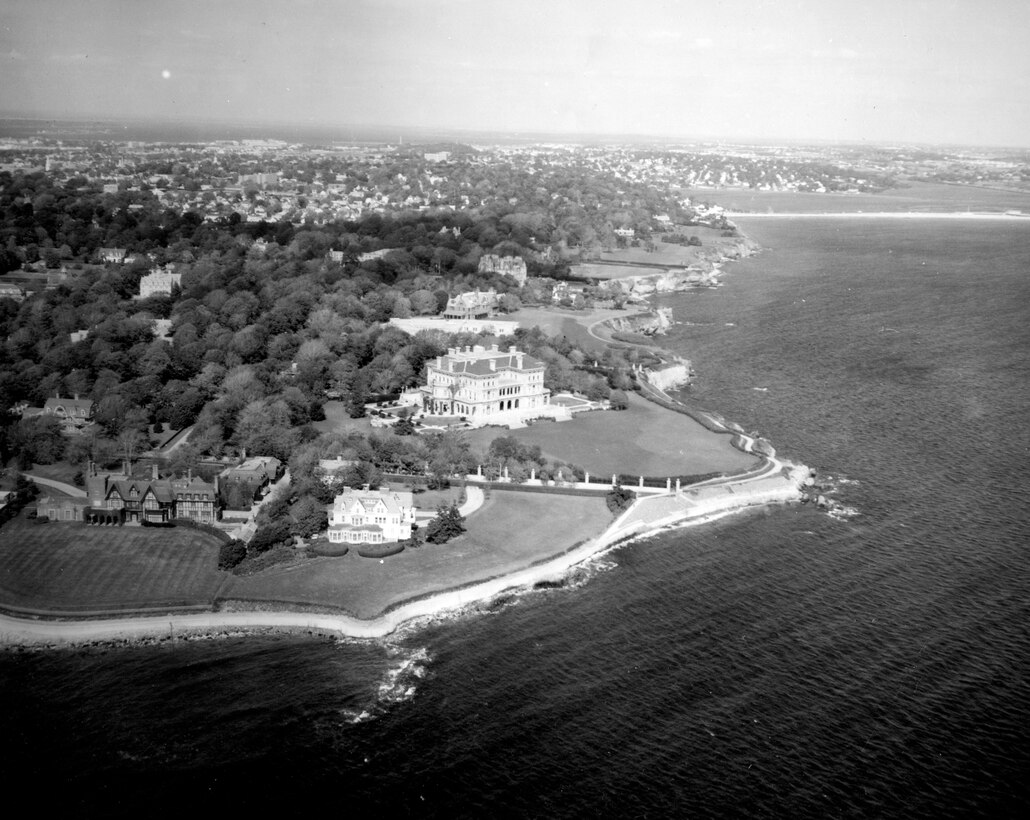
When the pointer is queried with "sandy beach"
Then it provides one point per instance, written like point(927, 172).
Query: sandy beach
point(881, 215)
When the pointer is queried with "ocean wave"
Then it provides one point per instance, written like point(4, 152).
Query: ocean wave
point(842, 512)
point(398, 684)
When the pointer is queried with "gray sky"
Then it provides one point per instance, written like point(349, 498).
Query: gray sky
point(950, 71)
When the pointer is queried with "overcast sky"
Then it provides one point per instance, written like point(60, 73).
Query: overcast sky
point(940, 71)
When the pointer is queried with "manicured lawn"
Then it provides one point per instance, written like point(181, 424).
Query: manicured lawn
point(570, 323)
point(595, 271)
point(510, 531)
point(642, 440)
point(61, 471)
point(67, 566)
point(337, 419)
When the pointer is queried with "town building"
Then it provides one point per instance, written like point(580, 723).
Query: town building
point(513, 266)
point(159, 282)
point(472, 305)
point(367, 516)
point(489, 386)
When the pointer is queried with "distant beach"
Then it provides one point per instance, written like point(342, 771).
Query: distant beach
point(882, 215)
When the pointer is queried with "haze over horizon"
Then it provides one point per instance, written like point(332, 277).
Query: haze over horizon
point(951, 72)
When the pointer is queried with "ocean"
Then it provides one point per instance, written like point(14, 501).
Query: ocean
point(869, 661)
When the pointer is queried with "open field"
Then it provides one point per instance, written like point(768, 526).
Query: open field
point(66, 566)
point(337, 419)
point(592, 270)
point(570, 323)
point(643, 440)
point(510, 531)
point(61, 471)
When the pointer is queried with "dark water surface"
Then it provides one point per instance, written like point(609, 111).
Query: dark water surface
point(870, 663)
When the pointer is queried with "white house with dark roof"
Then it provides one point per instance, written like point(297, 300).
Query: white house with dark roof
point(489, 386)
point(367, 516)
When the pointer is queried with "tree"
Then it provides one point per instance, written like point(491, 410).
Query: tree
point(448, 524)
point(131, 442)
point(309, 517)
point(39, 440)
point(404, 427)
point(231, 554)
point(619, 499)
point(619, 400)
point(269, 536)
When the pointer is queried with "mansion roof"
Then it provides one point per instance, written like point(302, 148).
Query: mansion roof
point(480, 361)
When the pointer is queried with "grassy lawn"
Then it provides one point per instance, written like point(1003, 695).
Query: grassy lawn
point(595, 271)
point(429, 500)
point(61, 471)
point(337, 419)
point(642, 440)
point(570, 323)
point(67, 566)
point(510, 531)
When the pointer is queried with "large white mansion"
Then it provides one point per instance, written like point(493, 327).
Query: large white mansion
point(366, 516)
point(488, 386)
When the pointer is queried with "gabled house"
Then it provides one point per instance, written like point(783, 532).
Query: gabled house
point(121, 498)
point(471, 305)
point(367, 516)
point(74, 412)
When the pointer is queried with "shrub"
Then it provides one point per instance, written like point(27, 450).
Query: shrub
point(380, 550)
point(330, 550)
point(231, 553)
point(269, 536)
point(447, 525)
point(619, 500)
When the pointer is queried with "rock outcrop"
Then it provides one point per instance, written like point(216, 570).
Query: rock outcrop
point(652, 323)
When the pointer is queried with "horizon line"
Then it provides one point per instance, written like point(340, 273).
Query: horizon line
point(484, 134)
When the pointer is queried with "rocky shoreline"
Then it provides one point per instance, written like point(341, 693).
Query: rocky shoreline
point(703, 274)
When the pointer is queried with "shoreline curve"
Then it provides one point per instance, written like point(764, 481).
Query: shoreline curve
point(773, 481)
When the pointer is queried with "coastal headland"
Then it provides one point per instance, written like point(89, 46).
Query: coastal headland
point(363, 599)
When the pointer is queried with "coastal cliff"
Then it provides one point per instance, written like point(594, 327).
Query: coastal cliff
point(652, 323)
point(670, 377)
point(703, 274)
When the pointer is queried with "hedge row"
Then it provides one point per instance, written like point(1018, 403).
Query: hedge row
point(380, 550)
point(330, 550)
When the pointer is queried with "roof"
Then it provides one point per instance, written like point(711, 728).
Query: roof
point(254, 469)
point(476, 361)
point(394, 502)
point(77, 404)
